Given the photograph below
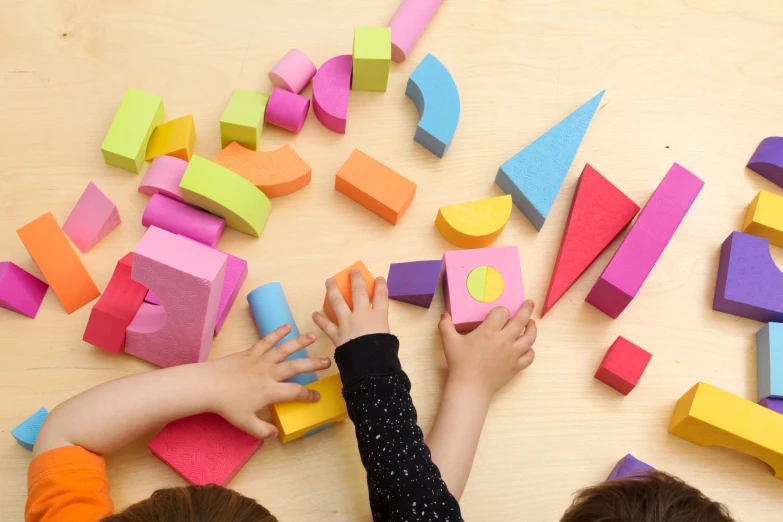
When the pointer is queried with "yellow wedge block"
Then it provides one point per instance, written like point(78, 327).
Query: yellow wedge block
point(173, 138)
point(300, 419)
point(475, 224)
point(765, 217)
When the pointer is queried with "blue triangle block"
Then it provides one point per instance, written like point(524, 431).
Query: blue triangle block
point(533, 177)
point(26, 433)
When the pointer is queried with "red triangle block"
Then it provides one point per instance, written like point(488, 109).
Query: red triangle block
point(599, 212)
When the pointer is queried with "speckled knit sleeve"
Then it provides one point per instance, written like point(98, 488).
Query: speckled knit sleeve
point(405, 485)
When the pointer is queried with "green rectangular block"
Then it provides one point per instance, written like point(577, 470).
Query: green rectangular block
point(371, 58)
point(243, 119)
point(125, 145)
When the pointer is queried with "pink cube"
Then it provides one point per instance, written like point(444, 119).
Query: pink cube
point(93, 217)
point(287, 110)
point(623, 365)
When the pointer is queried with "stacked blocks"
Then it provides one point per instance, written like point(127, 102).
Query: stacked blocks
point(26, 433)
point(287, 110)
point(276, 173)
point(293, 72)
point(625, 274)
point(226, 194)
point(297, 419)
point(243, 119)
point(765, 217)
point(767, 161)
point(535, 174)
point(408, 24)
point(343, 282)
point(623, 366)
point(775, 405)
point(93, 217)
point(174, 138)
point(271, 311)
point(331, 87)
point(125, 144)
point(164, 176)
point(434, 93)
point(475, 224)
point(414, 282)
point(58, 262)
point(769, 352)
point(371, 58)
point(180, 218)
point(599, 212)
point(20, 291)
point(375, 186)
point(629, 467)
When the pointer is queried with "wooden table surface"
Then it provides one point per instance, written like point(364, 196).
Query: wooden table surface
point(692, 81)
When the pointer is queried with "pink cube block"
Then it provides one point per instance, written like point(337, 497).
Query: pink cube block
point(20, 291)
point(179, 218)
point(93, 217)
point(293, 72)
point(287, 110)
point(163, 177)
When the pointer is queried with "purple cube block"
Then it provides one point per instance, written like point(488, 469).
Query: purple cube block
point(629, 467)
point(414, 282)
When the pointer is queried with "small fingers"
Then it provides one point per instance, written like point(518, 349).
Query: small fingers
point(323, 323)
point(336, 300)
point(526, 360)
point(283, 350)
point(380, 299)
point(257, 428)
point(517, 323)
point(527, 339)
point(497, 318)
point(271, 339)
point(289, 391)
point(446, 327)
point(287, 369)
point(361, 299)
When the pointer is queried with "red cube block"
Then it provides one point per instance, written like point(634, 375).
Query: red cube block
point(623, 365)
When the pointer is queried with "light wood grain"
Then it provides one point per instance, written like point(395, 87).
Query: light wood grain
point(692, 81)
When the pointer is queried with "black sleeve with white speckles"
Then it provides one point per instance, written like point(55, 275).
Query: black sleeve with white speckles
point(405, 485)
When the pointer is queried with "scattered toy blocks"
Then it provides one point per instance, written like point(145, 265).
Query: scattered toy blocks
point(623, 365)
point(287, 110)
point(475, 224)
point(343, 281)
point(371, 58)
point(125, 144)
point(408, 24)
point(765, 217)
point(775, 405)
point(535, 174)
point(297, 419)
point(243, 119)
point(164, 176)
point(226, 194)
point(709, 416)
point(769, 353)
point(180, 218)
point(599, 212)
point(434, 93)
point(174, 138)
point(26, 433)
point(93, 217)
point(58, 262)
point(331, 87)
point(20, 291)
point(276, 173)
point(767, 161)
point(293, 72)
point(629, 467)
point(414, 282)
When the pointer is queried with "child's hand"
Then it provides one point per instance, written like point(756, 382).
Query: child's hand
point(364, 319)
point(245, 382)
point(488, 357)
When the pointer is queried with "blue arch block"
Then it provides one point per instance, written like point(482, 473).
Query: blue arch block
point(769, 351)
point(26, 433)
point(533, 177)
point(435, 95)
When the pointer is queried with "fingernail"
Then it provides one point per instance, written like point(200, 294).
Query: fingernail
point(330, 281)
point(325, 361)
point(354, 271)
point(317, 395)
point(310, 336)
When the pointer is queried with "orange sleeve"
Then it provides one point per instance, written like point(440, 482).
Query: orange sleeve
point(67, 485)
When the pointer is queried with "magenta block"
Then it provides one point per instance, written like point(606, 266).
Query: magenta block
point(331, 87)
point(625, 274)
point(415, 282)
point(772, 404)
point(767, 161)
point(93, 217)
point(287, 110)
point(163, 176)
point(629, 467)
point(293, 72)
point(151, 298)
point(236, 273)
point(20, 291)
point(179, 218)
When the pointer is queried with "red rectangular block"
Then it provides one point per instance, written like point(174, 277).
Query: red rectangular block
point(623, 365)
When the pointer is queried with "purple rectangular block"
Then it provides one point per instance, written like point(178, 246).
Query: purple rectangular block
point(629, 467)
point(773, 404)
point(414, 282)
point(20, 291)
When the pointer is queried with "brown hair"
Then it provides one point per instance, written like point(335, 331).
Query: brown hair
point(651, 497)
point(195, 504)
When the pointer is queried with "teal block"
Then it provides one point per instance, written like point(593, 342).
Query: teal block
point(26, 433)
point(533, 177)
point(769, 351)
point(319, 429)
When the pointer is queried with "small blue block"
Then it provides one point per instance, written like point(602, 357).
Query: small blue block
point(319, 429)
point(435, 95)
point(26, 433)
point(769, 350)
point(533, 177)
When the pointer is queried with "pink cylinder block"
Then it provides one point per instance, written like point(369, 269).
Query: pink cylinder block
point(408, 23)
point(331, 87)
point(287, 110)
point(163, 177)
point(179, 218)
point(293, 72)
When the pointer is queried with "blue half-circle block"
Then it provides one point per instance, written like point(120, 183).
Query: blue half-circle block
point(319, 429)
point(26, 433)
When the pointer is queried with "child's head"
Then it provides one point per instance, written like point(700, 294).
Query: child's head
point(195, 504)
point(651, 497)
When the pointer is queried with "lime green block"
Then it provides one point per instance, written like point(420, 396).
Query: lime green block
point(125, 144)
point(226, 194)
point(243, 119)
point(371, 58)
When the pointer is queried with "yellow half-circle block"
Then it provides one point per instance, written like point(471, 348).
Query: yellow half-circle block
point(475, 224)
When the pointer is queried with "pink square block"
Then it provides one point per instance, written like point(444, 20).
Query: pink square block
point(93, 217)
point(20, 291)
point(623, 365)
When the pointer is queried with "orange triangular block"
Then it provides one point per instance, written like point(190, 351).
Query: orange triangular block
point(599, 212)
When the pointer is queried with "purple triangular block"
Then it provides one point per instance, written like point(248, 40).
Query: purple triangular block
point(414, 282)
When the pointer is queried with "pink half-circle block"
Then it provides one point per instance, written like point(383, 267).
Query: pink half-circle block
point(331, 86)
point(287, 110)
point(293, 72)
point(179, 218)
point(164, 176)
point(408, 24)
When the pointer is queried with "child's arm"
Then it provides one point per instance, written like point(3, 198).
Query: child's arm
point(480, 363)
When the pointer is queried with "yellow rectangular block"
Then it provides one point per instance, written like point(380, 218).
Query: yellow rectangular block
point(243, 119)
point(765, 217)
point(173, 138)
point(125, 145)
point(296, 419)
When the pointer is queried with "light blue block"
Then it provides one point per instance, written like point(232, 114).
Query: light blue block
point(270, 311)
point(435, 95)
point(319, 429)
point(533, 177)
point(26, 433)
point(769, 351)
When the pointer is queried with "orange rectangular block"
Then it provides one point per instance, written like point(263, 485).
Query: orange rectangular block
point(49, 247)
point(375, 186)
point(343, 280)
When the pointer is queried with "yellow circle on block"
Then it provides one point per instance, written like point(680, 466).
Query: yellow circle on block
point(485, 284)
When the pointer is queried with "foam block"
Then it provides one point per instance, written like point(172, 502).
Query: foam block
point(625, 274)
point(243, 119)
point(180, 218)
point(629, 467)
point(271, 311)
point(408, 24)
point(20, 291)
point(164, 176)
point(204, 449)
point(468, 309)
point(343, 281)
point(375, 186)
point(26, 433)
point(188, 278)
point(475, 224)
point(276, 173)
point(775, 405)
point(287, 110)
point(767, 161)
point(293, 72)
point(226, 194)
point(331, 87)
point(769, 353)
point(58, 262)
point(297, 419)
point(414, 282)
point(236, 273)
point(765, 217)
point(93, 217)
point(599, 212)
point(114, 311)
point(371, 58)
point(749, 282)
point(434, 93)
point(709, 416)
point(125, 144)
point(623, 365)
point(535, 174)
point(174, 138)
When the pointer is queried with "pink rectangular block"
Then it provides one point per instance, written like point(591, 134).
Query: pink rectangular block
point(626, 272)
point(20, 291)
point(187, 277)
point(236, 273)
point(93, 217)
